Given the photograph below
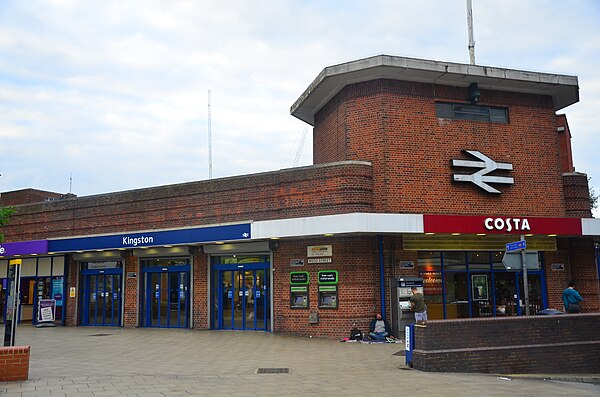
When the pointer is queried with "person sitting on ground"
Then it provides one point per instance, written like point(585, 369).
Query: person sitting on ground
point(379, 328)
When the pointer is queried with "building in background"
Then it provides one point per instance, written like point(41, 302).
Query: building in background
point(422, 169)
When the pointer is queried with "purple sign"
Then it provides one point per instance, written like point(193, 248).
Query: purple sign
point(46, 310)
point(24, 248)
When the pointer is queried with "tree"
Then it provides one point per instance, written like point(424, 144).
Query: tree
point(593, 196)
point(5, 214)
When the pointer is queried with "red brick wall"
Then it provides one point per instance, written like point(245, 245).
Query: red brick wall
point(578, 257)
point(577, 195)
point(393, 125)
point(307, 191)
point(356, 260)
point(556, 281)
point(25, 196)
point(72, 303)
point(567, 343)
point(584, 273)
point(200, 282)
point(14, 363)
point(132, 293)
point(564, 139)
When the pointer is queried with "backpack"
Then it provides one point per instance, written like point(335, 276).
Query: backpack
point(356, 334)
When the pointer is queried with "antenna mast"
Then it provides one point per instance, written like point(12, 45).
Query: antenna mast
point(70, 182)
point(209, 140)
point(470, 28)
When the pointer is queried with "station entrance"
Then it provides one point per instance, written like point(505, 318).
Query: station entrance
point(166, 302)
point(241, 296)
point(102, 295)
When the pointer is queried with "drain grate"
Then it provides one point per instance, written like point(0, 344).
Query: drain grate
point(100, 335)
point(273, 371)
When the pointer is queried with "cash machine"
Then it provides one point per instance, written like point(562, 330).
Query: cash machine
point(401, 292)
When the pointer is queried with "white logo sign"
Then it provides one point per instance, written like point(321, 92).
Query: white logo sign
point(508, 224)
point(2, 250)
point(481, 177)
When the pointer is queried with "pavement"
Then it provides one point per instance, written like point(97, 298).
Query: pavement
point(102, 361)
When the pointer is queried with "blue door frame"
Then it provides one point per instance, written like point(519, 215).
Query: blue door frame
point(167, 296)
point(102, 297)
point(244, 304)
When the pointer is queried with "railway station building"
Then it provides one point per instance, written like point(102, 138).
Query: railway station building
point(421, 168)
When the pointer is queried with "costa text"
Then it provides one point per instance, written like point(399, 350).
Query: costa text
point(507, 224)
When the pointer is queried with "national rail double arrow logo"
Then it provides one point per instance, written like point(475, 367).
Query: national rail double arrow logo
point(481, 177)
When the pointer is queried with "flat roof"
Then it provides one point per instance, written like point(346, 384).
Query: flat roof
point(563, 89)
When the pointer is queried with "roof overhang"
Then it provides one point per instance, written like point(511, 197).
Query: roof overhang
point(563, 89)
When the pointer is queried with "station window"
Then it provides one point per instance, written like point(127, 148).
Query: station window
point(461, 111)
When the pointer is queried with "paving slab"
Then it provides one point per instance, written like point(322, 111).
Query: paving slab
point(107, 361)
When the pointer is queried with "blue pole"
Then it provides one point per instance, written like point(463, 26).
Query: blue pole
point(381, 275)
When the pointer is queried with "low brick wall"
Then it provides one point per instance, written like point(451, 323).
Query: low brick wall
point(14, 363)
point(567, 343)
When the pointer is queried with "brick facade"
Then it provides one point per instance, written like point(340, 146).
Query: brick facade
point(200, 290)
point(393, 124)
point(132, 293)
point(308, 191)
point(379, 147)
point(536, 344)
point(356, 261)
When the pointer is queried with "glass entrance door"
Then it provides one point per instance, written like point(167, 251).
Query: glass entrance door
point(167, 298)
point(102, 297)
point(242, 298)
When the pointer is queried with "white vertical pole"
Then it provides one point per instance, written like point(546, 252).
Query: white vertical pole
point(209, 140)
point(470, 28)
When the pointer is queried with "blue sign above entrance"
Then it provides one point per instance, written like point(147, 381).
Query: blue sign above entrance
point(151, 239)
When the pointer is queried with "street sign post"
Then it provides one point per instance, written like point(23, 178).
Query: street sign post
point(516, 246)
point(12, 303)
point(512, 261)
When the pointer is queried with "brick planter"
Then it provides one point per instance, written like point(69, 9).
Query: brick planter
point(14, 363)
point(530, 344)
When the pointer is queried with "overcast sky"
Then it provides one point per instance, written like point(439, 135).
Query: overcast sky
point(115, 93)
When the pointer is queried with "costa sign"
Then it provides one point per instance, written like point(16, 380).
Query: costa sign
point(508, 224)
point(500, 225)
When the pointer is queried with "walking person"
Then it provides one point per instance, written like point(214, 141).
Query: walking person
point(571, 299)
point(417, 304)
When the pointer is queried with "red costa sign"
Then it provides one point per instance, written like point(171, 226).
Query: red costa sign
point(500, 225)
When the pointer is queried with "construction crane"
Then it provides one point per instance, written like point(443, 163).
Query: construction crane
point(300, 146)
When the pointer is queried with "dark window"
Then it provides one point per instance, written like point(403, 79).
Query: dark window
point(460, 111)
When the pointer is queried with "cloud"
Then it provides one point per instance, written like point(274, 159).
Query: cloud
point(99, 88)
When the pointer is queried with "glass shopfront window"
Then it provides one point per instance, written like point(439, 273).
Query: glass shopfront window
point(42, 278)
point(476, 284)
point(430, 269)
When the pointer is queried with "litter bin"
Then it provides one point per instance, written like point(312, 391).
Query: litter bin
point(549, 312)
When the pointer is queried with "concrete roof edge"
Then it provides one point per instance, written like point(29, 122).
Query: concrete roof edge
point(444, 73)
